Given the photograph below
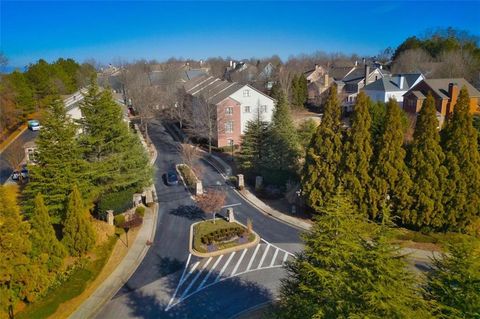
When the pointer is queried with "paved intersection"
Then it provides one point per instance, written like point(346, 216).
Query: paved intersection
point(203, 273)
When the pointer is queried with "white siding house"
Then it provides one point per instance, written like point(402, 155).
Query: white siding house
point(392, 86)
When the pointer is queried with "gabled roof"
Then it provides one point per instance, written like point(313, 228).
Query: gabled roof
point(339, 73)
point(213, 89)
point(440, 86)
point(391, 83)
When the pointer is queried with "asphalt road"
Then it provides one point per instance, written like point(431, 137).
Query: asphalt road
point(5, 168)
point(170, 283)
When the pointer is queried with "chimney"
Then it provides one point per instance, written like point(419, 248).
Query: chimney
point(356, 62)
point(326, 80)
point(316, 66)
point(401, 82)
point(231, 63)
point(453, 91)
point(367, 72)
point(234, 65)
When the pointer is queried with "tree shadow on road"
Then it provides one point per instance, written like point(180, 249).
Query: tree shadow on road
point(220, 301)
point(191, 212)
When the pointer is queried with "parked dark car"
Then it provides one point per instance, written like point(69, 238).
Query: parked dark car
point(15, 175)
point(172, 177)
point(24, 172)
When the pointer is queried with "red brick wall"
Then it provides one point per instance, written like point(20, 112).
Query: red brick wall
point(222, 136)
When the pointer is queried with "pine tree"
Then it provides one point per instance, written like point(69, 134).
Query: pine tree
point(454, 282)
point(299, 91)
point(425, 161)
point(20, 278)
point(459, 140)
point(357, 155)
point(378, 112)
point(78, 234)
point(283, 145)
point(45, 244)
point(391, 182)
point(348, 270)
point(323, 158)
point(59, 164)
point(254, 146)
point(118, 160)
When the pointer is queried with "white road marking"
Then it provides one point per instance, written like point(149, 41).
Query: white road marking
point(253, 257)
point(196, 277)
point(190, 272)
point(274, 257)
point(285, 258)
point(224, 267)
point(263, 257)
point(210, 272)
point(239, 262)
point(179, 283)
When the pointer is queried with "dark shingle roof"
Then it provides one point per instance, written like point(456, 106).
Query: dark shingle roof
point(390, 83)
point(440, 86)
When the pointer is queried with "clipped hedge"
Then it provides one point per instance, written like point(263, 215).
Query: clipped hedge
point(140, 211)
point(119, 202)
point(188, 176)
point(221, 235)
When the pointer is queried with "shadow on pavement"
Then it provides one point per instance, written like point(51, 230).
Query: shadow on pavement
point(188, 211)
point(220, 301)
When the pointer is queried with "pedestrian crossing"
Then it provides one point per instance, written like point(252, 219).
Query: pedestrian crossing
point(206, 272)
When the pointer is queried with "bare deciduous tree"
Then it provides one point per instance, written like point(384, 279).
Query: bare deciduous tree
point(211, 202)
point(189, 154)
point(415, 60)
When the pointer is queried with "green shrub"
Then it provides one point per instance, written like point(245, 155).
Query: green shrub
point(140, 211)
point(188, 176)
point(119, 220)
point(119, 202)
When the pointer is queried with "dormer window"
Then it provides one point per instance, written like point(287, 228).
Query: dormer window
point(246, 93)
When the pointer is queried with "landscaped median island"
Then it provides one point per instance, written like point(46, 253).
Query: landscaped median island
point(188, 176)
point(211, 238)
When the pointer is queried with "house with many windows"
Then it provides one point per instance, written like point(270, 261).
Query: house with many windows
point(392, 86)
point(235, 104)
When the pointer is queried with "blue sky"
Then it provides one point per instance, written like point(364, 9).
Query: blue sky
point(107, 31)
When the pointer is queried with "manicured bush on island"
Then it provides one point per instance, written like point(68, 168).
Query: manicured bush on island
point(119, 202)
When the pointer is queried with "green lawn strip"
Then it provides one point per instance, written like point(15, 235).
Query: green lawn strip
point(187, 175)
point(432, 238)
point(207, 227)
point(72, 287)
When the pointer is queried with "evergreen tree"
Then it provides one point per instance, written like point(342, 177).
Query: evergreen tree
point(59, 163)
point(276, 90)
point(20, 278)
point(118, 160)
point(426, 170)
point(24, 95)
point(391, 182)
point(459, 139)
point(78, 234)
point(305, 133)
point(357, 155)
point(299, 91)
point(378, 112)
point(254, 146)
point(348, 270)
point(454, 282)
point(45, 244)
point(323, 158)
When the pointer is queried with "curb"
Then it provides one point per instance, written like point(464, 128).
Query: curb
point(222, 251)
point(4, 147)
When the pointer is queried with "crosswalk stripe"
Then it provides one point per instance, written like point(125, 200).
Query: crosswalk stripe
point(252, 258)
point(224, 267)
point(263, 257)
point(190, 272)
point(196, 277)
point(210, 272)
point(274, 257)
point(285, 257)
point(239, 262)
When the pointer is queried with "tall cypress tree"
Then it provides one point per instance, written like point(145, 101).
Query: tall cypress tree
point(425, 161)
point(323, 158)
point(454, 282)
point(59, 164)
point(253, 155)
point(348, 269)
point(283, 144)
point(459, 139)
point(357, 155)
point(391, 182)
point(44, 241)
point(118, 160)
point(78, 234)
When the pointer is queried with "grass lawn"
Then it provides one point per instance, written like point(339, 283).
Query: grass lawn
point(207, 227)
point(72, 287)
